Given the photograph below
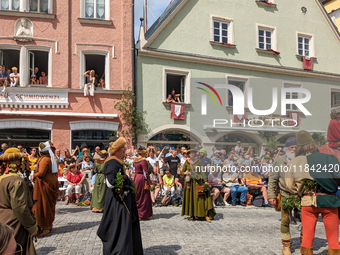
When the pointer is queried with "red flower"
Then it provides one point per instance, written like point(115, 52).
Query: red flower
point(122, 179)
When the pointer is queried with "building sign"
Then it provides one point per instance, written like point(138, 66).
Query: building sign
point(33, 98)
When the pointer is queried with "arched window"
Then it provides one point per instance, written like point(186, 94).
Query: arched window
point(229, 141)
point(172, 139)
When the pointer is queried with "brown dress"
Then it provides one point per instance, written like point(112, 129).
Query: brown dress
point(46, 192)
point(15, 210)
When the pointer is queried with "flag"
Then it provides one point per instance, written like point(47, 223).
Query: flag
point(294, 116)
point(240, 118)
point(307, 63)
point(178, 111)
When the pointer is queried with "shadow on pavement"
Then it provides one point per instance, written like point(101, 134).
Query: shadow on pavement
point(73, 209)
point(219, 216)
point(71, 227)
point(160, 249)
point(45, 250)
point(165, 215)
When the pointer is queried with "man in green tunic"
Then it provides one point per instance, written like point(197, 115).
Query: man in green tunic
point(15, 204)
point(98, 196)
point(194, 205)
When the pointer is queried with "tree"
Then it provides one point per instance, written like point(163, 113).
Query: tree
point(272, 141)
point(133, 121)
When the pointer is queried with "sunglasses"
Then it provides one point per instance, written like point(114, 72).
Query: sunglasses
point(18, 250)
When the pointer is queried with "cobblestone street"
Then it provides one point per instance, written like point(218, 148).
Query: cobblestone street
point(235, 230)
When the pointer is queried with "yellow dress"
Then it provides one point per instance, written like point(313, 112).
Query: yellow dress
point(32, 161)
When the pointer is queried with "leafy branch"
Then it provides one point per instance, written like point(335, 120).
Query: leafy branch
point(272, 141)
point(133, 121)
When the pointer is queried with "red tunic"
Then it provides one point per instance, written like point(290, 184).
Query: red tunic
point(333, 133)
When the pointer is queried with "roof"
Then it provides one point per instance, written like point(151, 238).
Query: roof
point(165, 15)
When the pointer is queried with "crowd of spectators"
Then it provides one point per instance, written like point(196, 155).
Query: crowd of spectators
point(231, 174)
point(10, 77)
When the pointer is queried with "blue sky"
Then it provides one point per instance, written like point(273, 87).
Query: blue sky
point(156, 7)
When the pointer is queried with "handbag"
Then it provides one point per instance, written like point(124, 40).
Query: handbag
point(199, 190)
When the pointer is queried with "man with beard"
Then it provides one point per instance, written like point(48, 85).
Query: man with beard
point(277, 178)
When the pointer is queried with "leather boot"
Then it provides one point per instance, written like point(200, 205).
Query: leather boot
point(286, 247)
point(306, 251)
point(333, 251)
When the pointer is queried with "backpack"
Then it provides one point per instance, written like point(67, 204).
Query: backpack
point(258, 201)
point(166, 200)
point(175, 200)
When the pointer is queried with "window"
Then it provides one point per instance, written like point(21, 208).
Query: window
point(96, 63)
point(10, 58)
point(222, 30)
point(292, 95)
point(99, 61)
point(95, 9)
point(176, 82)
point(266, 38)
point(38, 67)
point(12, 5)
point(241, 83)
point(335, 98)
point(24, 137)
point(305, 45)
point(92, 138)
point(38, 6)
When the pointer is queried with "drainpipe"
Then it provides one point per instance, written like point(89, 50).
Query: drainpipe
point(134, 56)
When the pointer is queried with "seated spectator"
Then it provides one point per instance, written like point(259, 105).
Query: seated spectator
point(58, 155)
point(179, 181)
point(68, 158)
point(43, 78)
point(216, 160)
point(85, 152)
point(61, 167)
point(238, 147)
point(241, 159)
point(4, 78)
point(63, 185)
point(33, 80)
point(215, 180)
point(101, 83)
point(170, 99)
point(206, 162)
point(175, 96)
point(96, 153)
point(255, 185)
point(168, 182)
point(36, 74)
point(87, 165)
point(230, 177)
point(156, 179)
point(14, 77)
point(266, 167)
point(89, 85)
point(75, 181)
point(229, 160)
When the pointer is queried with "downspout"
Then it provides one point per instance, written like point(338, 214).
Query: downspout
point(134, 56)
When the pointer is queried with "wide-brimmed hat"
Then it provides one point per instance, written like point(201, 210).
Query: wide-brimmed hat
point(70, 166)
point(11, 154)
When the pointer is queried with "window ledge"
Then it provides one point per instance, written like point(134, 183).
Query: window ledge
point(185, 104)
point(268, 51)
point(266, 3)
point(27, 14)
point(229, 45)
point(301, 57)
point(95, 21)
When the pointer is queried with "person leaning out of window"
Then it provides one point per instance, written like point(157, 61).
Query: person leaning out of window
point(89, 85)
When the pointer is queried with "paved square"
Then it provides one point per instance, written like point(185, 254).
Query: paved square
point(235, 230)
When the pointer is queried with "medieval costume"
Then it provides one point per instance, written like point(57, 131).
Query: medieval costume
point(144, 203)
point(46, 189)
point(277, 185)
point(194, 205)
point(119, 229)
point(15, 204)
point(333, 135)
point(313, 181)
point(98, 195)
